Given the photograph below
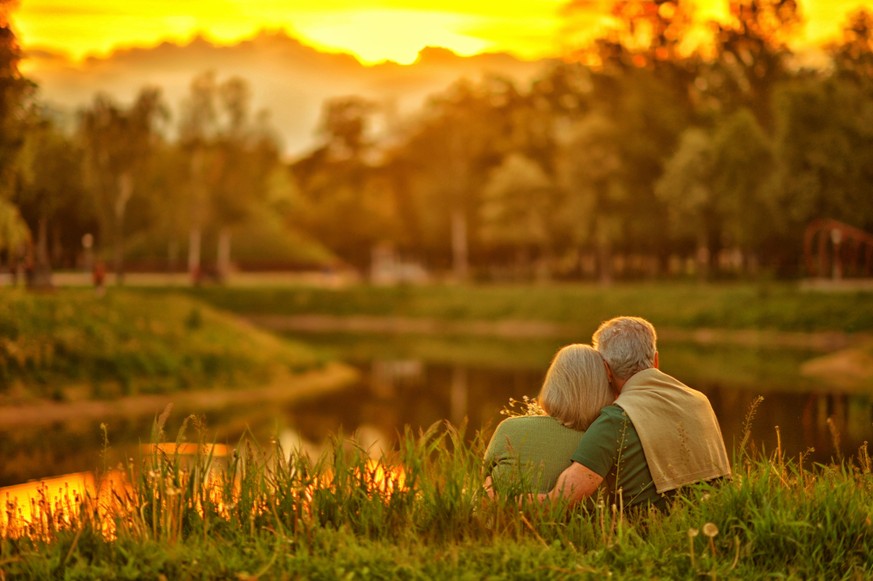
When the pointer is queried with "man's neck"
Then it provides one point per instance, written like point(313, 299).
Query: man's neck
point(619, 383)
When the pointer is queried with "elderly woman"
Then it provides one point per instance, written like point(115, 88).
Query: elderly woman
point(527, 453)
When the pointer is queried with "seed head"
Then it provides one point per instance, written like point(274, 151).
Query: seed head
point(710, 530)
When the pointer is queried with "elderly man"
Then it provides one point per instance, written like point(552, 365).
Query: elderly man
point(659, 434)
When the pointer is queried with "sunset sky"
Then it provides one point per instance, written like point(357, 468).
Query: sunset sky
point(372, 30)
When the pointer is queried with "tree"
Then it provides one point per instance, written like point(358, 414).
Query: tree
point(461, 135)
point(230, 158)
point(591, 174)
point(752, 56)
point(715, 187)
point(743, 180)
point(118, 144)
point(49, 178)
point(643, 75)
point(824, 133)
point(15, 93)
point(518, 202)
point(853, 57)
point(346, 197)
point(245, 154)
point(686, 189)
point(197, 130)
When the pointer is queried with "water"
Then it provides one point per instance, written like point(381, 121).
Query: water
point(417, 381)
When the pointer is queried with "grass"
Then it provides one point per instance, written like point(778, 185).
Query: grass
point(419, 513)
point(128, 342)
point(675, 305)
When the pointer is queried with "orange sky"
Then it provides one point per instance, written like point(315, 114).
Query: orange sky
point(373, 30)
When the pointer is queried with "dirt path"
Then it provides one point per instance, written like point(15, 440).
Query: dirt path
point(284, 388)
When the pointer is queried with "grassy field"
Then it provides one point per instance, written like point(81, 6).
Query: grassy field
point(73, 344)
point(691, 306)
point(420, 514)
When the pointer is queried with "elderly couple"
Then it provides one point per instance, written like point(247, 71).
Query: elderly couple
point(614, 419)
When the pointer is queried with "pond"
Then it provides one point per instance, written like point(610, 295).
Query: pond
point(419, 380)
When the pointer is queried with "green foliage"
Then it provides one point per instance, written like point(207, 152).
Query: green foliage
point(420, 512)
point(124, 342)
point(645, 156)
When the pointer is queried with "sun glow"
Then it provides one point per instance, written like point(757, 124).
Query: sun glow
point(373, 31)
point(396, 35)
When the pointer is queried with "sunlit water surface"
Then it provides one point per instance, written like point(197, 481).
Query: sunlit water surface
point(409, 381)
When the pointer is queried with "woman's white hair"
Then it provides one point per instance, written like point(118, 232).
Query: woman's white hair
point(576, 386)
point(628, 344)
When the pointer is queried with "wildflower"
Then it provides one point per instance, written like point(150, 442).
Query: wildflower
point(692, 532)
point(710, 530)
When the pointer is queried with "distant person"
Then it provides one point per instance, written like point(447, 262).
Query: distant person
point(98, 276)
point(29, 273)
point(658, 436)
point(528, 453)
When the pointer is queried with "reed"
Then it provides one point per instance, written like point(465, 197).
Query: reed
point(183, 510)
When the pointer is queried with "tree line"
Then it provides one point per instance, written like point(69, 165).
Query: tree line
point(635, 156)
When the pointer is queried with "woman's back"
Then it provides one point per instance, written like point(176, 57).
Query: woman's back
point(528, 453)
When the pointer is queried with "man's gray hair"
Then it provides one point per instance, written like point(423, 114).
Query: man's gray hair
point(576, 386)
point(628, 344)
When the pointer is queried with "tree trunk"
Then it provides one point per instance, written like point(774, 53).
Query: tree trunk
point(223, 253)
point(604, 254)
point(460, 261)
point(125, 190)
point(172, 255)
point(194, 237)
point(42, 274)
point(701, 257)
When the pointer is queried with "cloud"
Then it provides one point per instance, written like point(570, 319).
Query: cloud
point(288, 78)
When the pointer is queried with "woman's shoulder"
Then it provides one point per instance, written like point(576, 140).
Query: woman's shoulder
point(532, 422)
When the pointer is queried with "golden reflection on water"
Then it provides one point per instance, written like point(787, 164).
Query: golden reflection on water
point(188, 449)
point(42, 508)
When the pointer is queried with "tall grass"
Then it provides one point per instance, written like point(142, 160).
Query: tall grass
point(420, 512)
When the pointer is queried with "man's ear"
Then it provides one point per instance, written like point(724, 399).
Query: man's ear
point(611, 379)
point(656, 362)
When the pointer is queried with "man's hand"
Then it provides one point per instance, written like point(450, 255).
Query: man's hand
point(575, 483)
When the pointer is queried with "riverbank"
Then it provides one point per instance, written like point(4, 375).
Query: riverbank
point(837, 328)
point(282, 388)
point(783, 307)
point(69, 346)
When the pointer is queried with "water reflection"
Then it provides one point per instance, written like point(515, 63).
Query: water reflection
point(809, 423)
point(417, 383)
